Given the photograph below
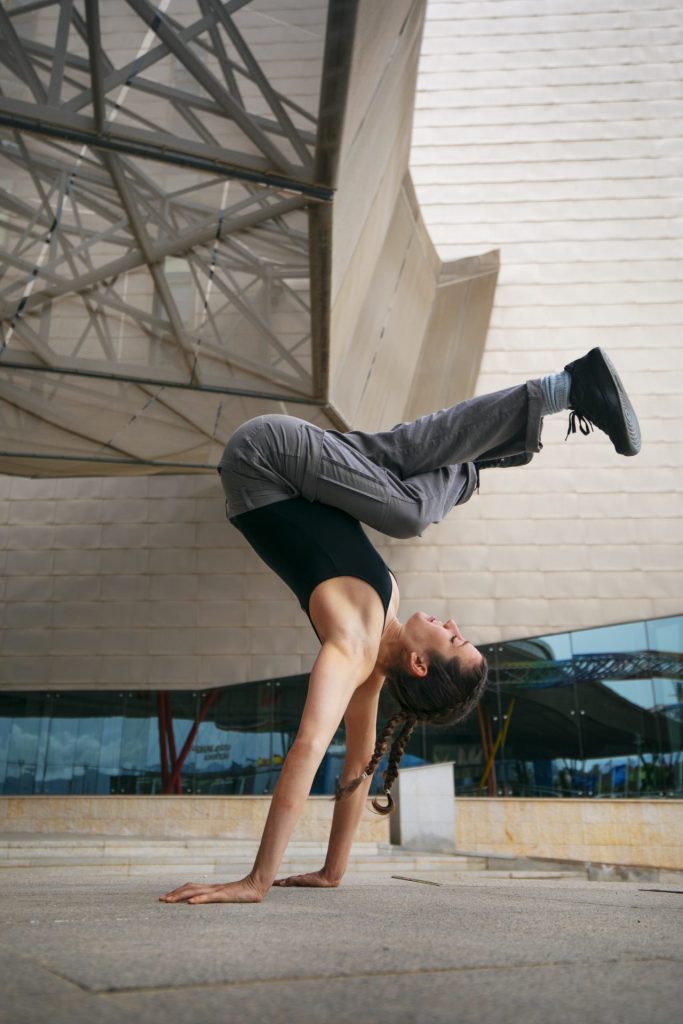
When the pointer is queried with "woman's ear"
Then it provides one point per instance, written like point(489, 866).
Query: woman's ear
point(417, 666)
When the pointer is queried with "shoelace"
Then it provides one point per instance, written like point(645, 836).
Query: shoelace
point(584, 424)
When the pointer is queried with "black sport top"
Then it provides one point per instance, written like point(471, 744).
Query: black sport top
point(306, 542)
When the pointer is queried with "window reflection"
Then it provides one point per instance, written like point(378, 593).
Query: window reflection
point(592, 713)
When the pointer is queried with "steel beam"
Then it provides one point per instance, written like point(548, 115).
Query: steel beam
point(209, 700)
point(59, 123)
point(291, 397)
point(92, 14)
point(175, 322)
point(54, 90)
point(339, 35)
point(264, 85)
point(156, 21)
point(177, 246)
point(24, 65)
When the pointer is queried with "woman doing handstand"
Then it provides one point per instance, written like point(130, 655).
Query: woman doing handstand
point(299, 494)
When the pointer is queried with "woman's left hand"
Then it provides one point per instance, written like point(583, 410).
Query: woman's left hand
point(244, 891)
point(314, 880)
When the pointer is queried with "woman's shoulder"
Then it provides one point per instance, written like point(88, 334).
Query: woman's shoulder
point(347, 610)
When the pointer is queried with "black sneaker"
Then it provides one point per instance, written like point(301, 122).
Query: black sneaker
point(597, 397)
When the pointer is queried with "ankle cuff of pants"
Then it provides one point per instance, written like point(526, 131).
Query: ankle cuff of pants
point(472, 484)
point(534, 423)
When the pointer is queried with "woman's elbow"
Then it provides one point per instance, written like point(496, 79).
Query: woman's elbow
point(307, 749)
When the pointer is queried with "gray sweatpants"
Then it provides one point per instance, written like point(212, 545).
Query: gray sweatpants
point(397, 481)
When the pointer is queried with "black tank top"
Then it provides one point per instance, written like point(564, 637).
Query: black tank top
point(306, 542)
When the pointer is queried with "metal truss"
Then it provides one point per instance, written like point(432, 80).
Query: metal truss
point(592, 668)
point(160, 175)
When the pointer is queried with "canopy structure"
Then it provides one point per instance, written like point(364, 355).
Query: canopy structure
point(206, 214)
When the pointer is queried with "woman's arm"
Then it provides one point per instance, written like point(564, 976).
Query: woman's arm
point(360, 722)
point(338, 671)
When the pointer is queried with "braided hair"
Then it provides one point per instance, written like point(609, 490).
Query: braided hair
point(445, 695)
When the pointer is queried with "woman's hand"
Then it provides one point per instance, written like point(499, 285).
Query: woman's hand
point(313, 880)
point(244, 891)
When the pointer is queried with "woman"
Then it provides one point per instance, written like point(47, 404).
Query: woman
point(298, 494)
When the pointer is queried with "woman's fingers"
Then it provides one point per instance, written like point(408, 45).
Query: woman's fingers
point(243, 891)
point(206, 897)
point(184, 892)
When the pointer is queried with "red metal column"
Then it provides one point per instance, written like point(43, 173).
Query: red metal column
point(170, 738)
point(163, 755)
point(173, 783)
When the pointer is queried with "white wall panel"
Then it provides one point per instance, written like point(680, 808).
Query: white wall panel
point(553, 132)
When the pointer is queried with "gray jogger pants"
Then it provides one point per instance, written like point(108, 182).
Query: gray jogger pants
point(397, 481)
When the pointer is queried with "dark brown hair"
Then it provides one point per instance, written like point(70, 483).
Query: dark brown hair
point(445, 695)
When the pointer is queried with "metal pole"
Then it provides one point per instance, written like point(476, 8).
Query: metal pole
point(206, 704)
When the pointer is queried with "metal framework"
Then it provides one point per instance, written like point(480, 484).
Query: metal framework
point(165, 178)
point(591, 668)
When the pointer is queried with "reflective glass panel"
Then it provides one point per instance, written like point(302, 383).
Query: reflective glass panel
point(592, 713)
point(620, 731)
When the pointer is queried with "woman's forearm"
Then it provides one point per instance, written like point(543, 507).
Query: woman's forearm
point(286, 806)
point(335, 676)
point(345, 820)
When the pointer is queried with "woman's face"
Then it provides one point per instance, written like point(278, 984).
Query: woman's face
point(423, 633)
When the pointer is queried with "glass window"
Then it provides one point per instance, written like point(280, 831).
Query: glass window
point(665, 651)
point(594, 713)
point(619, 727)
point(26, 732)
point(535, 730)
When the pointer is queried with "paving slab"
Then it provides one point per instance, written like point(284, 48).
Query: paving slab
point(375, 950)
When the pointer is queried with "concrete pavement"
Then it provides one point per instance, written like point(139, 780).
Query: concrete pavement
point(98, 947)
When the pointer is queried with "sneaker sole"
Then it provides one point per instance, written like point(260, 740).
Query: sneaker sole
point(605, 372)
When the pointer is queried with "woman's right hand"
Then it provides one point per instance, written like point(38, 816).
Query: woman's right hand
point(313, 880)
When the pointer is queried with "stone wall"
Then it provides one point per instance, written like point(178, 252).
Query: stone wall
point(137, 583)
point(241, 817)
point(638, 832)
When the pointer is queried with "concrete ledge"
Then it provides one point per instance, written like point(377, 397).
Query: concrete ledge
point(640, 833)
point(223, 817)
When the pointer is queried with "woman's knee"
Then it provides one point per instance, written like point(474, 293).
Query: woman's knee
point(405, 520)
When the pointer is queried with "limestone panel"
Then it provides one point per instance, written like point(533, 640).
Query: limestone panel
point(241, 817)
point(634, 832)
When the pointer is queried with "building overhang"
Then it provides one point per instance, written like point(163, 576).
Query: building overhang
point(208, 214)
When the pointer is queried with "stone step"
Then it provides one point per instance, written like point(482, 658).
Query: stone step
point(288, 867)
point(132, 855)
point(123, 843)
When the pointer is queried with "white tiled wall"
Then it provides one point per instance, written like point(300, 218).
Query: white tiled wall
point(553, 133)
point(135, 583)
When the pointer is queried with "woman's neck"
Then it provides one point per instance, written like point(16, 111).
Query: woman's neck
point(391, 645)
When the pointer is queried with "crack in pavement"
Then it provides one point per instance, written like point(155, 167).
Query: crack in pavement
point(351, 976)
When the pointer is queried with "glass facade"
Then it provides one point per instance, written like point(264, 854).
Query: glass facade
point(594, 713)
